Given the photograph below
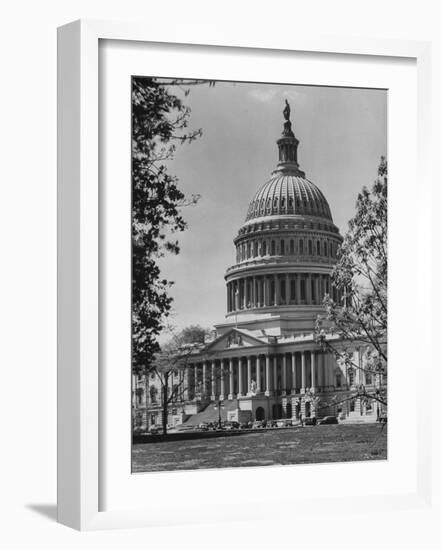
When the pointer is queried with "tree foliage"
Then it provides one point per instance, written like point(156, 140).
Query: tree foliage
point(360, 275)
point(159, 122)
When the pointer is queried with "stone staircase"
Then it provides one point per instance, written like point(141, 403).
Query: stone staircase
point(210, 414)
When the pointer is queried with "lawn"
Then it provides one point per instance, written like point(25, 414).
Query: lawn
point(332, 443)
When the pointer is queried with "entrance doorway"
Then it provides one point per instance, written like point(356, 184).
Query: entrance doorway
point(259, 414)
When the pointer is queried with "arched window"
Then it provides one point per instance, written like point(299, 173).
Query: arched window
point(325, 248)
point(283, 202)
point(273, 248)
point(331, 250)
point(248, 250)
point(263, 248)
point(282, 247)
point(292, 246)
point(255, 249)
point(275, 202)
point(310, 247)
point(318, 248)
point(291, 202)
point(301, 246)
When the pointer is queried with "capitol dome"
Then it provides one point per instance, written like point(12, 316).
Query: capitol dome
point(287, 246)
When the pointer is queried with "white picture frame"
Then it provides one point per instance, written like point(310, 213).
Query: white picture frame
point(79, 391)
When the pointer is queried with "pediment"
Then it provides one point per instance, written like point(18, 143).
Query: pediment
point(234, 339)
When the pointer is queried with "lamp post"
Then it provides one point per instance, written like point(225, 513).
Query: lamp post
point(219, 405)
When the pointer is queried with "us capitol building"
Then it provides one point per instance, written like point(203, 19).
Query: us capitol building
point(263, 362)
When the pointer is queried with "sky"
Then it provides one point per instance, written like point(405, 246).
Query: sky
point(342, 134)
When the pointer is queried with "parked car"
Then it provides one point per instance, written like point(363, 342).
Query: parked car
point(154, 430)
point(310, 421)
point(284, 422)
point(257, 424)
point(271, 424)
point(328, 420)
point(233, 425)
point(203, 426)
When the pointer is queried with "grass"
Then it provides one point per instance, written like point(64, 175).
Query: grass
point(316, 444)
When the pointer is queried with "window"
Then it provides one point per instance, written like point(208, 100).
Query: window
point(325, 249)
point(368, 378)
point(310, 247)
point(282, 247)
point(255, 248)
point(282, 289)
point(351, 376)
point(318, 248)
point(292, 289)
point(273, 248)
point(264, 248)
point(303, 289)
point(301, 246)
point(292, 247)
point(338, 380)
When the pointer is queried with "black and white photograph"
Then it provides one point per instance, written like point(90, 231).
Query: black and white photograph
point(259, 274)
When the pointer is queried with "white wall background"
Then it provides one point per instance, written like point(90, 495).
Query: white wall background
point(28, 271)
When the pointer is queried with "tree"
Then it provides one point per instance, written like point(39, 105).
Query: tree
point(159, 121)
point(170, 362)
point(360, 276)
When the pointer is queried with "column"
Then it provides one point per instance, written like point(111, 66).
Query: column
point(284, 374)
point(313, 370)
point(317, 287)
point(267, 390)
point(277, 290)
point(187, 383)
point(258, 374)
point(249, 373)
point(254, 300)
point(195, 381)
point(294, 380)
point(240, 389)
point(204, 378)
point(287, 290)
point(264, 291)
point(324, 378)
point(308, 288)
point(275, 373)
point(246, 293)
point(213, 380)
point(303, 372)
point(298, 288)
point(230, 379)
point(223, 387)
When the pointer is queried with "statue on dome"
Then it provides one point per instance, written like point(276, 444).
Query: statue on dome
point(287, 132)
point(286, 111)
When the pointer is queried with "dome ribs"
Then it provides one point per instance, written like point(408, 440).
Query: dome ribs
point(288, 194)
